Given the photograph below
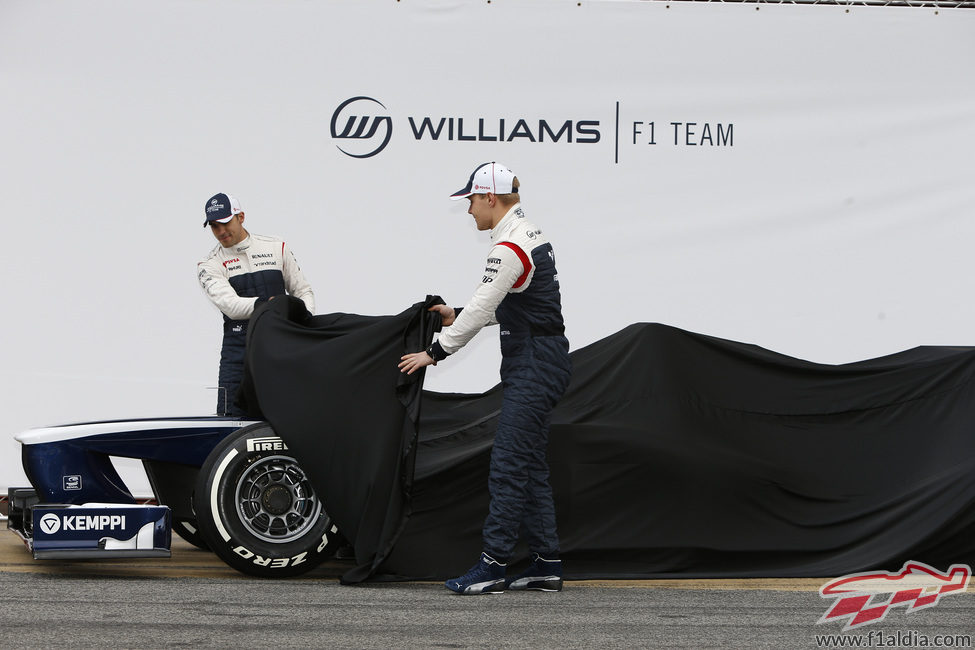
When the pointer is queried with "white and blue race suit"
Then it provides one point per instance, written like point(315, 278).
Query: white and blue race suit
point(236, 279)
point(520, 292)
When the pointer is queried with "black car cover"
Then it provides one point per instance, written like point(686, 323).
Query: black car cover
point(330, 387)
point(673, 454)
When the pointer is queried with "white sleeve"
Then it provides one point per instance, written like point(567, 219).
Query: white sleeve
point(294, 279)
point(502, 271)
point(217, 287)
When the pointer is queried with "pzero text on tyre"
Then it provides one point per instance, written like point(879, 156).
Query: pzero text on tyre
point(257, 510)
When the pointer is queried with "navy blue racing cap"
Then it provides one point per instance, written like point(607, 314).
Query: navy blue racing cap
point(221, 208)
point(490, 177)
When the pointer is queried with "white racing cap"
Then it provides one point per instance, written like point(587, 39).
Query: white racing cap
point(490, 177)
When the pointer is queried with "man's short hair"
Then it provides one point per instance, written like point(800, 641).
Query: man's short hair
point(514, 197)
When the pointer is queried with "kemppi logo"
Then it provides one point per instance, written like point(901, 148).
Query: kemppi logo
point(365, 131)
point(52, 523)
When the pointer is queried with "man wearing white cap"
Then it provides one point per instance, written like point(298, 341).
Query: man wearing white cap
point(520, 292)
point(238, 275)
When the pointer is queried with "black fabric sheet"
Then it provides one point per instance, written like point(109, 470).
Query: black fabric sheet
point(673, 454)
point(329, 386)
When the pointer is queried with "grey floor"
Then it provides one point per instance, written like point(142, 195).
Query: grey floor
point(42, 610)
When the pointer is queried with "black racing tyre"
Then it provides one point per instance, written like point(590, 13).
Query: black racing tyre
point(257, 510)
point(189, 530)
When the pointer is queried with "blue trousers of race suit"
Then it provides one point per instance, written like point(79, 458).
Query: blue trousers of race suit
point(231, 367)
point(535, 373)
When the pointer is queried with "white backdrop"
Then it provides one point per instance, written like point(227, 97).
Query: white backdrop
point(815, 196)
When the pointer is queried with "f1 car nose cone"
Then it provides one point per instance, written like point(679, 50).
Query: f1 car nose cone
point(276, 500)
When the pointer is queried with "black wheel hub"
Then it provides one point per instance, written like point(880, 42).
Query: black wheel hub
point(276, 500)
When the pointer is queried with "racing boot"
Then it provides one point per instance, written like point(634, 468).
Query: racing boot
point(541, 575)
point(485, 577)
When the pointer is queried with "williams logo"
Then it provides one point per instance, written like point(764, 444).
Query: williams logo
point(365, 128)
point(367, 134)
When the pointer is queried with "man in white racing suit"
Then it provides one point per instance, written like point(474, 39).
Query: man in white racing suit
point(238, 275)
point(520, 291)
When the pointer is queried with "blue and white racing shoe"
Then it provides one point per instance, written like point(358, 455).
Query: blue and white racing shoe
point(541, 575)
point(485, 577)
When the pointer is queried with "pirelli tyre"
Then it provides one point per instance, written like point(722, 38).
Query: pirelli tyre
point(257, 510)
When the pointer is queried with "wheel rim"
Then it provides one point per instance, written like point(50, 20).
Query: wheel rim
point(275, 501)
